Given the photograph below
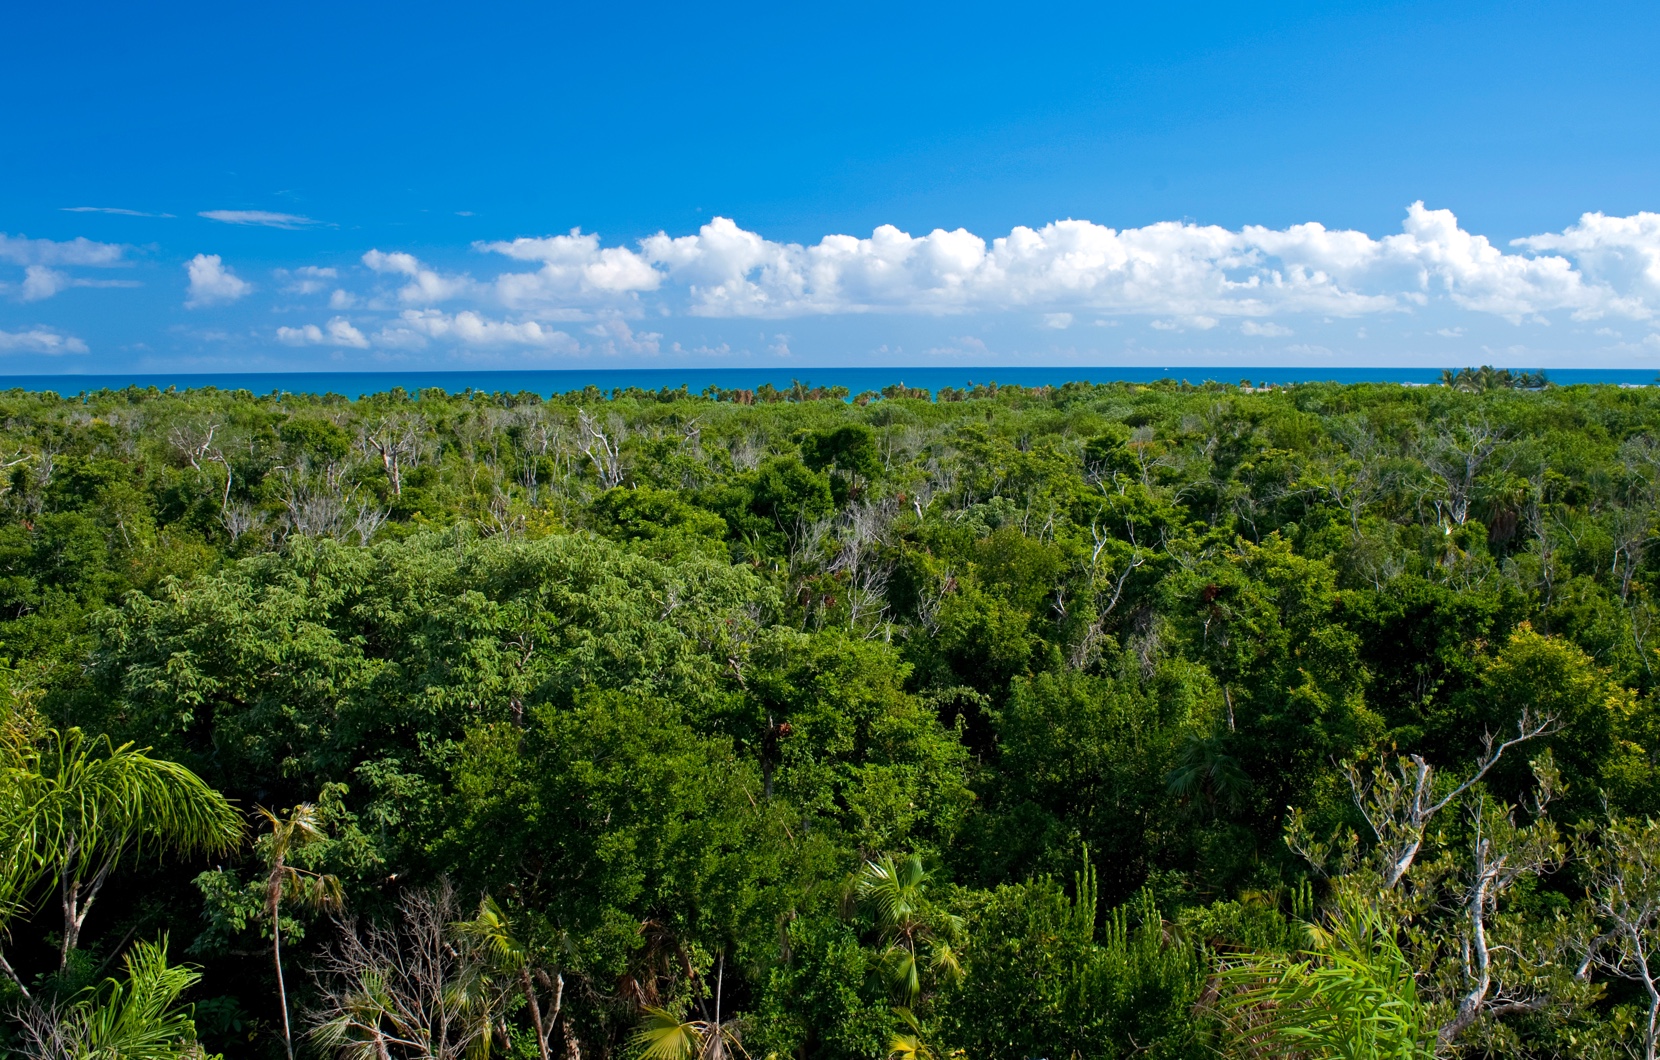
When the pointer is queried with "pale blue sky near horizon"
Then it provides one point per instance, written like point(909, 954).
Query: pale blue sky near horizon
point(375, 185)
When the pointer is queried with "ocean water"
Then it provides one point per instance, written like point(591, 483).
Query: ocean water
point(546, 383)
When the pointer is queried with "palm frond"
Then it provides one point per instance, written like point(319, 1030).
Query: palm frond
point(665, 1036)
point(136, 1018)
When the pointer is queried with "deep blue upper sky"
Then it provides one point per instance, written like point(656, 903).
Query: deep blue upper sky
point(422, 128)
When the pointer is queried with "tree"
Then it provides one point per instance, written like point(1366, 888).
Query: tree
point(916, 938)
point(289, 834)
point(77, 806)
point(1624, 896)
point(1479, 966)
point(665, 1036)
point(1205, 771)
point(411, 988)
point(492, 932)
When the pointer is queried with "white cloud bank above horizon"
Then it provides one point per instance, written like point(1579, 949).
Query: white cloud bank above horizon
point(1601, 266)
point(553, 295)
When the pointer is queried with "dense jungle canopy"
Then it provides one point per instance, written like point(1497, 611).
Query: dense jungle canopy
point(1008, 723)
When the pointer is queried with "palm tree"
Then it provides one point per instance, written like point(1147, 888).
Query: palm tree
point(665, 1036)
point(492, 933)
point(135, 1019)
point(74, 807)
point(412, 986)
point(915, 937)
point(1206, 770)
point(909, 1046)
point(289, 834)
point(22, 863)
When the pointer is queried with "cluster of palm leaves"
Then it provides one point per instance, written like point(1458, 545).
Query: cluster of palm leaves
point(1351, 995)
point(665, 1036)
point(136, 1018)
point(919, 943)
point(918, 949)
point(72, 810)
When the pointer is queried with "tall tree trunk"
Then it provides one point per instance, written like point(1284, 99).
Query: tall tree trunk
point(69, 894)
point(529, 988)
point(275, 910)
point(77, 903)
point(573, 1049)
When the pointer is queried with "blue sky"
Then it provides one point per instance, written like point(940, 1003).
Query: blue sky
point(353, 186)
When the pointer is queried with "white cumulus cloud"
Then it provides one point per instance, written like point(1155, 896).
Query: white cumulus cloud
point(1172, 270)
point(425, 286)
point(40, 282)
point(40, 340)
point(212, 282)
point(1173, 276)
point(415, 326)
point(337, 332)
point(44, 261)
point(1617, 254)
point(573, 266)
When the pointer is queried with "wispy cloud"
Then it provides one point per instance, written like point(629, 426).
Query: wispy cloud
point(113, 209)
point(41, 282)
point(212, 282)
point(21, 250)
point(40, 340)
point(307, 279)
point(261, 218)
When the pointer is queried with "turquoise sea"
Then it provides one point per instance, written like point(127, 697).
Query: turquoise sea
point(355, 384)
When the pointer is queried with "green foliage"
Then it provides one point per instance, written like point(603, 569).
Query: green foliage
point(1352, 996)
point(1042, 979)
point(136, 1018)
point(659, 673)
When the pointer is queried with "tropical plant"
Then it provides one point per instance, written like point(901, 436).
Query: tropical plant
point(1351, 996)
point(75, 806)
point(491, 932)
point(662, 1035)
point(409, 988)
point(909, 1044)
point(1204, 770)
point(916, 938)
point(1624, 865)
point(136, 1018)
point(290, 833)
